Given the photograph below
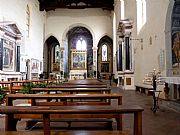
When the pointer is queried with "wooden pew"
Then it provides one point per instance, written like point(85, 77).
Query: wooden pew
point(86, 82)
point(15, 86)
point(86, 99)
point(84, 132)
point(144, 89)
point(48, 112)
point(77, 86)
point(72, 90)
point(70, 99)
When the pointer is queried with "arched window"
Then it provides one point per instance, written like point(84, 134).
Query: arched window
point(141, 13)
point(104, 52)
point(81, 44)
point(57, 54)
point(27, 21)
point(122, 9)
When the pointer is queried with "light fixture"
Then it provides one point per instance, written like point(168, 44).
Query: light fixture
point(137, 39)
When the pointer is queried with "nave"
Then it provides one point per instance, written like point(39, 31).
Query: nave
point(165, 122)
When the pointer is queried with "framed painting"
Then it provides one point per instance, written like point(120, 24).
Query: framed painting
point(8, 55)
point(34, 66)
point(176, 50)
point(78, 60)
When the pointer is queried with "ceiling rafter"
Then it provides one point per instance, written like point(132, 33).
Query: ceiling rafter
point(76, 4)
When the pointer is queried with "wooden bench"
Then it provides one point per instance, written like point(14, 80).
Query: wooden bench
point(15, 86)
point(86, 82)
point(48, 112)
point(80, 99)
point(144, 89)
point(84, 132)
point(77, 86)
point(86, 99)
point(72, 90)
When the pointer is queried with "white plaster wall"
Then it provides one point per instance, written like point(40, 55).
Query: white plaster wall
point(98, 21)
point(130, 9)
point(15, 10)
point(36, 38)
point(147, 59)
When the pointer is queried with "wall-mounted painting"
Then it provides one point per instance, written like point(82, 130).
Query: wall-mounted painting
point(34, 66)
point(8, 55)
point(176, 50)
point(78, 60)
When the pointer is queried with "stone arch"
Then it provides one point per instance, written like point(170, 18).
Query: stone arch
point(105, 68)
point(49, 56)
point(49, 35)
point(77, 25)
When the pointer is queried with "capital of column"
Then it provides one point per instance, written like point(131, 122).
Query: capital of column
point(95, 48)
point(2, 34)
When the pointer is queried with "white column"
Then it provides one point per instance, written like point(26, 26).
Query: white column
point(95, 59)
point(114, 45)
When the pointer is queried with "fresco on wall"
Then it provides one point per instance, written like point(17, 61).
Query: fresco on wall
point(176, 50)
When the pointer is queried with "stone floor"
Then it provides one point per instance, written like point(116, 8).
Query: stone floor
point(165, 122)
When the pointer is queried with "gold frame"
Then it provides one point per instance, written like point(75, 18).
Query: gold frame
point(78, 60)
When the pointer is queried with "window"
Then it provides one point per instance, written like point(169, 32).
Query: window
point(81, 44)
point(104, 52)
point(27, 21)
point(122, 9)
point(141, 13)
point(57, 54)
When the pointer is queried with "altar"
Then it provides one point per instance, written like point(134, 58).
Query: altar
point(175, 84)
point(171, 80)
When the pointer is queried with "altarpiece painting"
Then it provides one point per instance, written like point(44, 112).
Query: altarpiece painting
point(78, 60)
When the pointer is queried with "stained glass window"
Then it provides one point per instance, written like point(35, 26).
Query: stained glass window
point(104, 52)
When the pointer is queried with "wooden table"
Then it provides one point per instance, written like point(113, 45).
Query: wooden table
point(101, 111)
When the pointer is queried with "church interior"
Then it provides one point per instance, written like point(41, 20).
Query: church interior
point(127, 47)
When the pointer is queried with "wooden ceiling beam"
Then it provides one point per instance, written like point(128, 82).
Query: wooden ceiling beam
point(54, 4)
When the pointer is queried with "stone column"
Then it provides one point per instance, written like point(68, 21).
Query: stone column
point(1, 48)
point(95, 61)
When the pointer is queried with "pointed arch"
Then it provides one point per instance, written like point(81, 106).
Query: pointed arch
point(105, 56)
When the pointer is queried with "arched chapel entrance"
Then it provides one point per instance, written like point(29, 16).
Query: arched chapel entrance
point(80, 53)
point(73, 60)
point(105, 57)
point(51, 57)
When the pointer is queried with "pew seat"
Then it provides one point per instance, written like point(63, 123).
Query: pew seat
point(77, 132)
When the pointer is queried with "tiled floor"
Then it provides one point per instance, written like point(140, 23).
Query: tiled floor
point(164, 122)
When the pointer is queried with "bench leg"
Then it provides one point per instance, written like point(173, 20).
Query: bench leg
point(109, 125)
point(69, 124)
point(119, 122)
point(10, 123)
point(138, 123)
point(46, 121)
